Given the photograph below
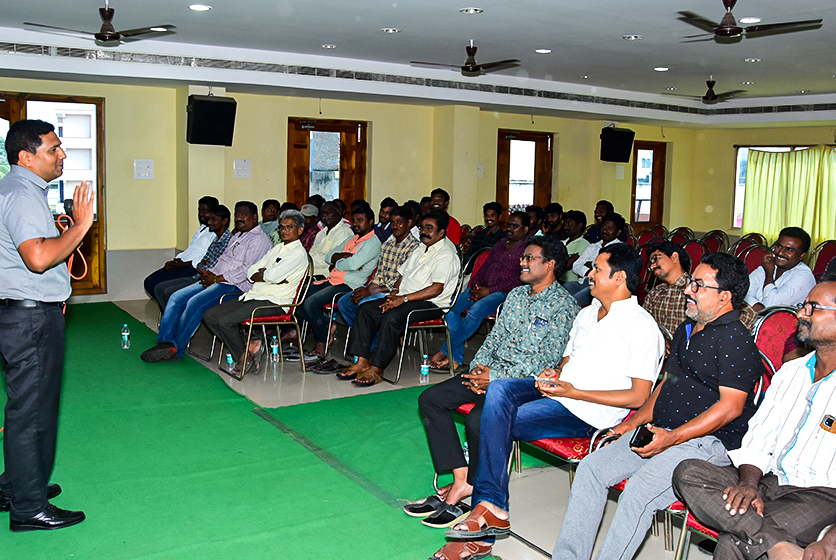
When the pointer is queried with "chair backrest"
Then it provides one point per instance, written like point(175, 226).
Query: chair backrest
point(822, 255)
point(465, 229)
point(464, 244)
point(740, 245)
point(659, 230)
point(714, 243)
point(752, 257)
point(696, 249)
point(765, 380)
point(756, 237)
point(678, 237)
point(302, 288)
point(647, 236)
point(686, 230)
point(478, 260)
point(719, 234)
point(632, 240)
point(775, 334)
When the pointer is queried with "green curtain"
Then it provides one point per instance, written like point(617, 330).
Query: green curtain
point(791, 189)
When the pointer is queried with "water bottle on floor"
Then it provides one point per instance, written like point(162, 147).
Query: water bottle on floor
point(424, 378)
point(230, 362)
point(126, 337)
point(274, 350)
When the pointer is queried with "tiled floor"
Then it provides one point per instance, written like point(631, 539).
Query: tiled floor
point(538, 495)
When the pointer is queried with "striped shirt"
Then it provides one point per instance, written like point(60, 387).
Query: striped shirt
point(215, 250)
point(392, 256)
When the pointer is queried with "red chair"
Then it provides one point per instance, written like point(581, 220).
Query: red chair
point(679, 237)
point(775, 333)
point(714, 243)
point(659, 230)
point(756, 237)
point(752, 257)
point(719, 235)
point(821, 257)
point(740, 245)
point(647, 236)
point(696, 249)
point(684, 231)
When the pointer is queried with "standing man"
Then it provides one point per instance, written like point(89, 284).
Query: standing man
point(782, 279)
point(382, 229)
point(34, 285)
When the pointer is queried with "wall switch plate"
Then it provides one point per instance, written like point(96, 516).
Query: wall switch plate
point(143, 169)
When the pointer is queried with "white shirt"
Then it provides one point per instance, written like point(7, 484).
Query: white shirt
point(282, 262)
point(428, 265)
point(791, 288)
point(325, 241)
point(196, 250)
point(786, 436)
point(607, 355)
point(589, 255)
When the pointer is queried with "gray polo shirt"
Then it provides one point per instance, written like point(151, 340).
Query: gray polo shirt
point(25, 215)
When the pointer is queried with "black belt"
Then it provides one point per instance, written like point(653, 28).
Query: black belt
point(29, 303)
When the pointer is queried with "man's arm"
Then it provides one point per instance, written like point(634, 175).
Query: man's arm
point(825, 549)
point(291, 262)
point(42, 253)
point(633, 397)
point(431, 291)
point(739, 498)
point(367, 253)
point(795, 289)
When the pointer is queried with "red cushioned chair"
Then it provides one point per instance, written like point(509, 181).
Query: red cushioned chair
point(821, 257)
point(775, 333)
point(696, 249)
point(756, 237)
point(719, 238)
point(659, 230)
point(752, 256)
point(740, 246)
point(647, 236)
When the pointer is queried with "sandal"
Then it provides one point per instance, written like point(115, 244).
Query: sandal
point(481, 523)
point(446, 515)
point(347, 375)
point(468, 550)
point(368, 380)
point(423, 508)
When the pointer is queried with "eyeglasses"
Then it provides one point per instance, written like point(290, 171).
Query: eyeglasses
point(654, 259)
point(528, 258)
point(810, 306)
point(426, 228)
point(697, 285)
point(288, 227)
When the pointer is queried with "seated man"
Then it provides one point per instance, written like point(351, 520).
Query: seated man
point(593, 234)
point(275, 278)
point(439, 201)
point(782, 279)
point(333, 235)
point(383, 229)
point(185, 309)
point(490, 235)
point(427, 281)
point(611, 227)
point(537, 216)
point(269, 213)
point(311, 214)
point(574, 222)
point(608, 366)
point(351, 265)
point(184, 264)
point(781, 491)
point(698, 411)
point(554, 220)
point(508, 351)
point(499, 274)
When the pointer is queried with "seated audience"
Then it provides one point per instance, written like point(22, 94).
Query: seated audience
point(508, 352)
point(185, 309)
point(270, 209)
point(587, 389)
point(780, 491)
point(351, 265)
point(537, 215)
point(490, 235)
point(439, 201)
point(184, 264)
point(382, 229)
point(782, 279)
point(698, 411)
point(275, 278)
point(333, 235)
point(611, 228)
point(554, 220)
point(574, 224)
point(428, 281)
point(489, 286)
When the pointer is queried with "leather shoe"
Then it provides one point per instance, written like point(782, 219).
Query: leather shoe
point(50, 518)
point(52, 490)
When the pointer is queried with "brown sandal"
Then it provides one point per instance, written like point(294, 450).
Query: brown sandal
point(366, 381)
point(481, 523)
point(462, 550)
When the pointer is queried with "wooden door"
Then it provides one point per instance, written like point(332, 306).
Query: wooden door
point(648, 195)
point(543, 156)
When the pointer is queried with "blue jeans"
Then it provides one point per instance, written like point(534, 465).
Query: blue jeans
point(311, 310)
point(515, 410)
point(184, 312)
point(348, 309)
point(580, 291)
point(462, 329)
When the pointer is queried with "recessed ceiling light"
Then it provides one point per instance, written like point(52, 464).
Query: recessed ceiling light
point(471, 10)
point(748, 83)
point(804, 91)
point(632, 37)
point(661, 69)
point(748, 20)
point(329, 46)
point(200, 7)
point(753, 60)
point(543, 51)
point(584, 77)
point(158, 29)
point(391, 30)
point(671, 88)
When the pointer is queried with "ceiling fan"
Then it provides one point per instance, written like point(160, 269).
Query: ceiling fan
point(728, 26)
point(710, 97)
point(108, 33)
point(470, 66)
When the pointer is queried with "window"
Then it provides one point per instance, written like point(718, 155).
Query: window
point(648, 184)
point(523, 169)
point(740, 176)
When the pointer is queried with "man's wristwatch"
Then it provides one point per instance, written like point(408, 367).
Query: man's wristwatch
point(405, 299)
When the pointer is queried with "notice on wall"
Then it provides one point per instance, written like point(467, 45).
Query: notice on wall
point(242, 169)
point(619, 171)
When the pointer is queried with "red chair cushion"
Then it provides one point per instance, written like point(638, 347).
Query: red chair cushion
point(569, 448)
point(776, 336)
point(465, 408)
point(429, 323)
point(286, 317)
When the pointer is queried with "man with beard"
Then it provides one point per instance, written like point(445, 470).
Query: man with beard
point(554, 221)
point(782, 279)
point(781, 491)
point(698, 411)
point(382, 228)
point(489, 286)
point(537, 216)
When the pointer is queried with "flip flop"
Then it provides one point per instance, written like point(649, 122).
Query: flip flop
point(446, 515)
point(423, 508)
point(367, 381)
point(346, 375)
point(481, 523)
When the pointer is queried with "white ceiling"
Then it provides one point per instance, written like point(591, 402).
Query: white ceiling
point(585, 37)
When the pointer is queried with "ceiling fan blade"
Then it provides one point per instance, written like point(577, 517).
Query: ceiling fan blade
point(147, 30)
point(500, 63)
point(435, 65)
point(729, 94)
point(58, 28)
point(699, 21)
point(783, 26)
point(698, 35)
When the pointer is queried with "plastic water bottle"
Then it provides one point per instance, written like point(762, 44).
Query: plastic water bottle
point(126, 337)
point(230, 362)
point(274, 350)
point(466, 452)
point(424, 378)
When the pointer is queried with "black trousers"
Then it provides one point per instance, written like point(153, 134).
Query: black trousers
point(436, 406)
point(162, 275)
point(389, 327)
point(32, 346)
point(793, 514)
point(223, 321)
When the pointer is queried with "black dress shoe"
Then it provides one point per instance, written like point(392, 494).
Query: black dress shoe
point(159, 352)
point(50, 518)
point(52, 490)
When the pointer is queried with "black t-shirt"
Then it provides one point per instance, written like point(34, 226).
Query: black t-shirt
point(723, 354)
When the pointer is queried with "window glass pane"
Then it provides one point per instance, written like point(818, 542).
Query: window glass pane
point(4, 161)
point(521, 176)
point(644, 185)
point(325, 164)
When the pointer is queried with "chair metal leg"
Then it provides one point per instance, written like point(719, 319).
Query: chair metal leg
point(400, 361)
point(449, 348)
point(572, 468)
point(668, 529)
point(684, 539)
point(517, 456)
point(654, 527)
point(345, 350)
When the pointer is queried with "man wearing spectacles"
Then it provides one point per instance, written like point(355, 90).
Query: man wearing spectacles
point(782, 279)
point(781, 490)
point(698, 411)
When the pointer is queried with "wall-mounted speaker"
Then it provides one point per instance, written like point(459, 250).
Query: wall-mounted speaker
point(211, 120)
point(616, 144)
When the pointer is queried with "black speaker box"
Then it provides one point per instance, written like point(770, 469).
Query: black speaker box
point(211, 120)
point(616, 144)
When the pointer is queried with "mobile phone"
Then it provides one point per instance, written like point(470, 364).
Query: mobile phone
point(641, 437)
point(551, 382)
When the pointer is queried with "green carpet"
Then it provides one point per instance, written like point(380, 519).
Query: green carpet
point(168, 462)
